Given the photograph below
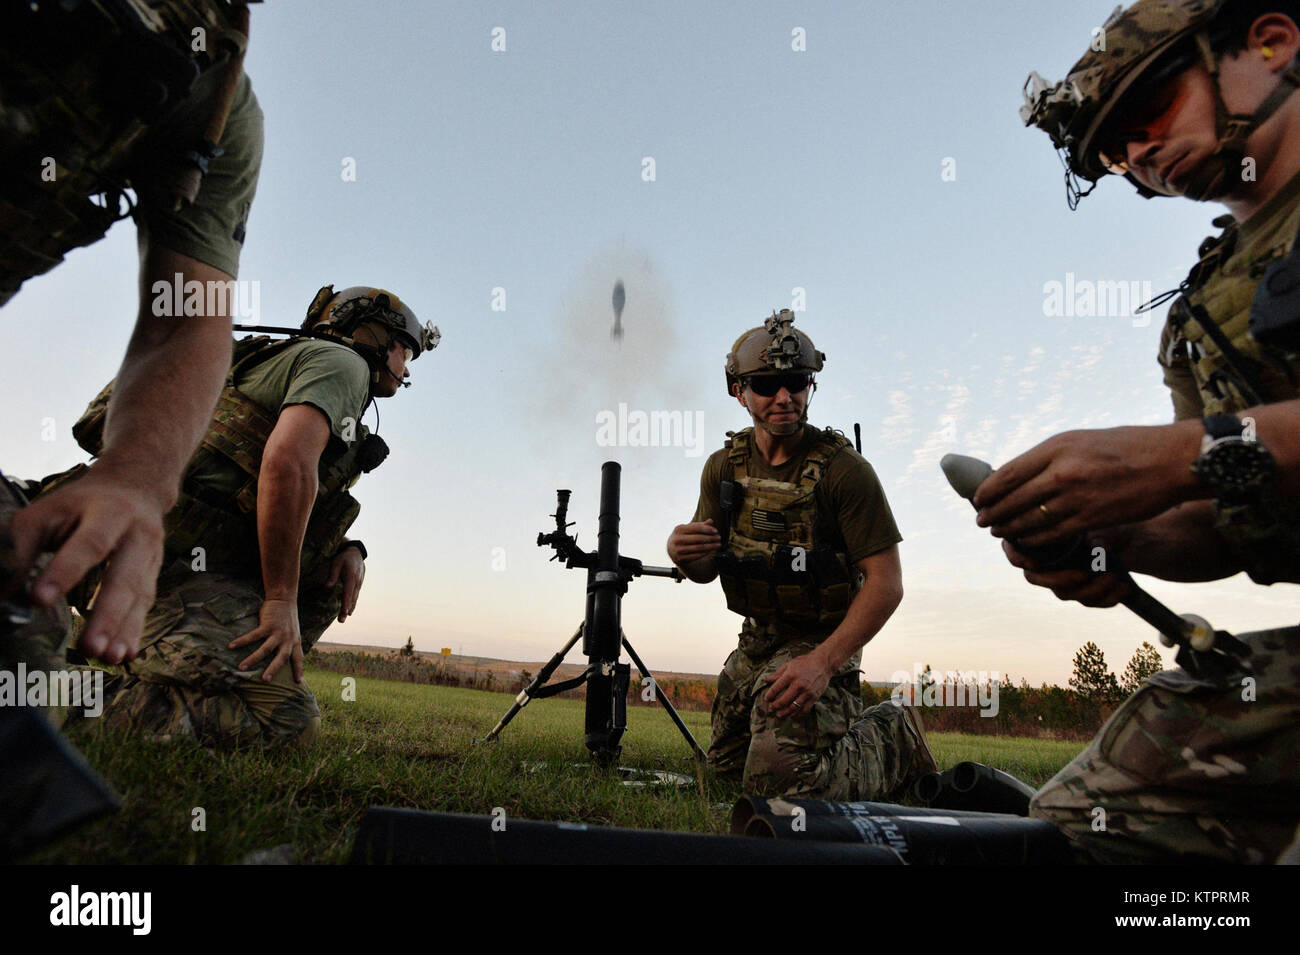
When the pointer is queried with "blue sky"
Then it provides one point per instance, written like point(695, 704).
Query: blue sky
point(883, 170)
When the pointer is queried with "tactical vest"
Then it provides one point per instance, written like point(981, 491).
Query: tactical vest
point(226, 528)
point(81, 84)
point(1217, 305)
point(773, 568)
point(1216, 308)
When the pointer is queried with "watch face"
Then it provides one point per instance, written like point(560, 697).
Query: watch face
point(1236, 470)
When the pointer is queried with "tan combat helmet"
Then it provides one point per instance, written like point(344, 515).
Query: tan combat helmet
point(774, 348)
point(1137, 49)
point(348, 310)
point(369, 320)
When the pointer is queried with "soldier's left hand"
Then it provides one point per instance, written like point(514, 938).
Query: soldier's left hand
point(350, 567)
point(279, 632)
point(1088, 588)
point(797, 685)
point(1085, 480)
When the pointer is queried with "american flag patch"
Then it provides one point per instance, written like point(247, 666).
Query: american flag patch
point(772, 521)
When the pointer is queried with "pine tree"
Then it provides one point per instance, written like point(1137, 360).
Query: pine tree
point(1092, 679)
point(1145, 662)
point(409, 649)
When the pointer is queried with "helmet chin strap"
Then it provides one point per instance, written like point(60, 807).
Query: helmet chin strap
point(1233, 128)
point(375, 355)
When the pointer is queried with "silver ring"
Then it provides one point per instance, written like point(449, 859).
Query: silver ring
point(797, 705)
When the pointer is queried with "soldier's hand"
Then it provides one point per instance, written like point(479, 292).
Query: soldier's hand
point(691, 542)
point(1085, 480)
point(278, 630)
point(98, 517)
point(1088, 588)
point(350, 567)
point(797, 685)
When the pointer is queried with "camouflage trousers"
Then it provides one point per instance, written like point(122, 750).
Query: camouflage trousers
point(186, 683)
point(1191, 770)
point(831, 750)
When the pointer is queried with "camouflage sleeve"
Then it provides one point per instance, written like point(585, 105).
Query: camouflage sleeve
point(212, 229)
point(856, 498)
point(710, 505)
point(1178, 375)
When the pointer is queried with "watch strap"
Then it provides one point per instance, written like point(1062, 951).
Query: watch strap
point(1224, 426)
point(357, 544)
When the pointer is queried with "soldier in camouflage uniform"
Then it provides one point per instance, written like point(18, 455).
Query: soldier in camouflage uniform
point(1187, 98)
point(255, 553)
point(796, 525)
point(100, 99)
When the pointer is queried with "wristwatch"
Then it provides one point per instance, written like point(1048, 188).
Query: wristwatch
point(357, 544)
point(1239, 470)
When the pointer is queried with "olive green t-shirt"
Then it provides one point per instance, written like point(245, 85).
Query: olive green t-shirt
point(326, 375)
point(212, 228)
point(852, 512)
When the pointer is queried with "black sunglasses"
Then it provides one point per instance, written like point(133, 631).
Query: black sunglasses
point(769, 385)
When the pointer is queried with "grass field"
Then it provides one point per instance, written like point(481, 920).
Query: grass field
point(413, 746)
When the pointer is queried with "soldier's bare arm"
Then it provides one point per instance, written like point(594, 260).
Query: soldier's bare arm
point(693, 548)
point(162, 404)
point(804, 679)
point(286, 492)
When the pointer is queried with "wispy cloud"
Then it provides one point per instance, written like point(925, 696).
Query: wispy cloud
point(943, 437)
point(898, 427)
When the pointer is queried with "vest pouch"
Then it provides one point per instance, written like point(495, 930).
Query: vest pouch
point(210, 538)
point(827, 569)
point(1275, 311)
point(733, 588)
point(758, 594)
point(794, 593)
point(1264, 537)
point(834, 585)
point(327, 530)
point(753, 579)
point(795, 602)
point(835, 603)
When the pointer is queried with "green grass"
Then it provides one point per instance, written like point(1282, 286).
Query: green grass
point(412, 745)
point(1033, 760)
